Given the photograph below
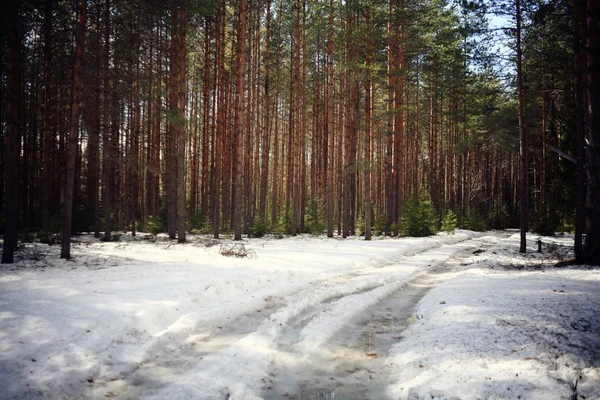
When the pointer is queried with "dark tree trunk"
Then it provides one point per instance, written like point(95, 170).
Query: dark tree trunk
point(12, 147)
point(238, 118)
point(107, 191)
point(368, 124)
point(172, 159)
point(580, 103)
point(181, 126)
point(73, 134)
point(330, 123)
point(524, 182)
point(264, 181)
point(591, 246)
point(46, 131)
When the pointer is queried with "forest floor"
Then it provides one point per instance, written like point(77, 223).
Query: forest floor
point(461, 316)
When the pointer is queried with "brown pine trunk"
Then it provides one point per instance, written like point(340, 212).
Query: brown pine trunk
point(368, 124)
point(73, 134)
point(592, 237)
point(266, 140)
point(107, 191)
point(330, 123)
point(579, 24)
point(524, 185)
point(219, 126)
point(46, 132)
point(302, 177)
point(206, 132)
point(173, 126)
point(12, 147)
point(181, 126)
point(149, 191)
point(276, 173)
point(135, 154)
point(238, 118)
point(389, 189)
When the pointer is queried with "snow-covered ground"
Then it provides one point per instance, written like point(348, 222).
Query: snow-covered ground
point(302, 317)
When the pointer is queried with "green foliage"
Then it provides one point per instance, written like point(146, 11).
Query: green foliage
point(258, 228)
point(475, 222)
point(499, 218)
point(26, 237)
point(396, 228)
point(157, 223)
point(379, 225)
point(545, 223)
point(195, 221)
point(360, 225)
point(449, 222)
point(284, 223)
point(48, 238)
point(316, 223)
point(420, 217)
point(204, 229)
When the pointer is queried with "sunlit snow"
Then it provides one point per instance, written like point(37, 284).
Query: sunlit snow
point(459, 316)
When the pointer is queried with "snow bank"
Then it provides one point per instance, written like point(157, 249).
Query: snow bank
point(81, 328)
point(491, 332)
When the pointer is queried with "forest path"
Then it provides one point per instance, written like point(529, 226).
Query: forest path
point(349, 365)
point(324, 339)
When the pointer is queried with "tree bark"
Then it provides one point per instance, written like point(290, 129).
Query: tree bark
point(330, 123)
point(524, 184)
point(12, 147)
point(107, 191)
point(592, 236)
point(238, 118)
point(368, 124)
point(181, 126)
point(264, 181)
point(46, 162)
point(73, 134)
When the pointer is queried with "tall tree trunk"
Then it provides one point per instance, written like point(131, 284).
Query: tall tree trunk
point(330, 123)
point(46, 162)
point(12, 147)
point(368, 124)
point(73, 134)
point(389, 189)
point(579, 62)
point(173, 126)
point(92, 117)
point(107, 191)
point(524, 185)
point(238, 118)
point(181, 126)
point(266, 140)
point(206, 132)
point(276, 172)
point(592, 236)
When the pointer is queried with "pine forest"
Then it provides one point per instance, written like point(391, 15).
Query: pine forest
point(332, 117)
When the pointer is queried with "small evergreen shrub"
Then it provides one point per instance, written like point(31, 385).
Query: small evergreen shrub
point(316, 223)
point(258, 228)
point(204, 229)
point(284, 223)
point(449, 222)
point(360, 225)
point(475, 222)
point(420, 218)
point(157, 224)
point(379, 225)
point(396, 228)
point(498, 218)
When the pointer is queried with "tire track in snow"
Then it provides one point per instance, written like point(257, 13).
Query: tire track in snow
point(346, 361)
point(248, 344)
